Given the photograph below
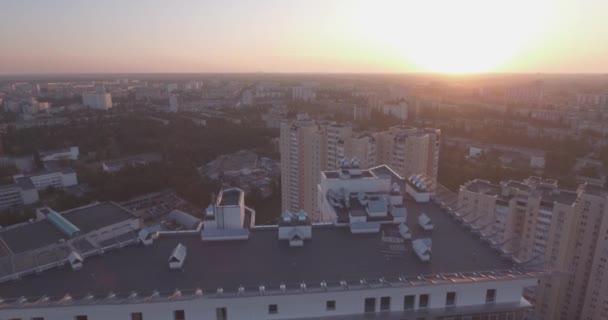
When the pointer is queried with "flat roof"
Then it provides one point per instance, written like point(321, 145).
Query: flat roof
point(482, 186)
point(30, 236)
point(97, 216)
point(333, 254)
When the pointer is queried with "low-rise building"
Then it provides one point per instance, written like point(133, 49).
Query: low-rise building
point(59, 179)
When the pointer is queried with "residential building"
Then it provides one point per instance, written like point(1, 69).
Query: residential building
point(230, 269)
point(115, 165)
point(562, 231)
point(303, 156)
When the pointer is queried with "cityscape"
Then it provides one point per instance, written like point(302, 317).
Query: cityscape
point(454, 188)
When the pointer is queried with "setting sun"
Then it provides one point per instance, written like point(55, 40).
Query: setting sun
point(452, 36)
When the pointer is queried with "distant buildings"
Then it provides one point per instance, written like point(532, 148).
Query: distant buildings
point(115, 165)
point(304, 93)
point(563, 231)
point(247, 98)
point(592, 99)
point(171, 87)
point(530, 93)
point(25, 189)
point(70, 153)
point(244, 168)
point(308, 147)
point(173, 103)
point(98, 100)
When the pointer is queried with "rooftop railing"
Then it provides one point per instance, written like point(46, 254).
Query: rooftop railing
point(367, 283)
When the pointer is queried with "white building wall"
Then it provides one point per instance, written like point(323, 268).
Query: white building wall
point(293, 306)
point(69, 179)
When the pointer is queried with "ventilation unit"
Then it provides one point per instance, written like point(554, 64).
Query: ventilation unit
point(178, 256)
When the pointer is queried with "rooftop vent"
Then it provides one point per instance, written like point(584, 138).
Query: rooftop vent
point(422, 247)
point(296, 239)
point(343, 284)
point(178, 256)
point(287, 216)
point(302, 216)
point(75, 260)
point(405, 232)
point(395, 188)
point(425, 222)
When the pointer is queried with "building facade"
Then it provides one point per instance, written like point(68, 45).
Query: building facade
point(562, 231)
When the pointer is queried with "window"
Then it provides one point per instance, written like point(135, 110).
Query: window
point(273, 309)
point(370, 304)
point(330, 305)
point(137, 316)
point(179, 315)
point(81, 318)
point(423, 301)
point(385, 303)
point(408, 302)
point(490, 295)
point(450, 298)
point(221, 313)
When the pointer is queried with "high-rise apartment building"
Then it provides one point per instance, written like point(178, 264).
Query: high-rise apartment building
point(564, 232)
point(309, 147)
point(409, 150)
point(303, 156)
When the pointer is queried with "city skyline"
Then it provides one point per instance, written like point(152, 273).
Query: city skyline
point(337, 37)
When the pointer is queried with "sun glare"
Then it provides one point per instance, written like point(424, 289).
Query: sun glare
point(465, 36)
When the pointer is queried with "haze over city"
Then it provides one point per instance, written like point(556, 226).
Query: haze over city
point(340, 36)
point(304, 160)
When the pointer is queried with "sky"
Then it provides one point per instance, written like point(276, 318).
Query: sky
point(333, 36)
